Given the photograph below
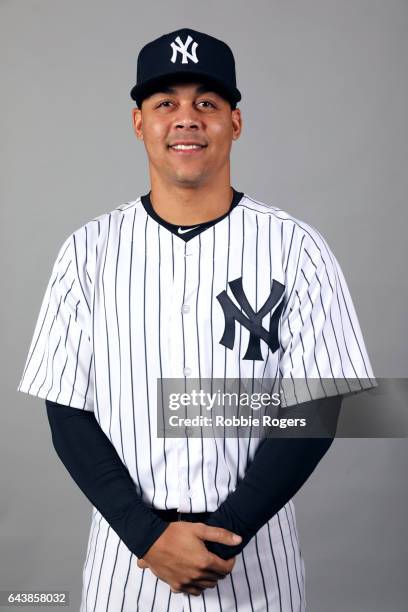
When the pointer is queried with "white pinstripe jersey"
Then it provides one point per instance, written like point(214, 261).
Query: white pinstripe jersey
point(129, 302)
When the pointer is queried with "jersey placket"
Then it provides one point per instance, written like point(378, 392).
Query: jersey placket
point(180, 343)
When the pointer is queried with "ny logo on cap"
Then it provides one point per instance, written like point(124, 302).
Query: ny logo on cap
point(183, 49)
point(253, 319)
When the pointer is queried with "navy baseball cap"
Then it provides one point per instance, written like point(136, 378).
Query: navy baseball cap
point(185, 55)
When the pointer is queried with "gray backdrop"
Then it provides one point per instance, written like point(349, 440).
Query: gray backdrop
point(325, 137)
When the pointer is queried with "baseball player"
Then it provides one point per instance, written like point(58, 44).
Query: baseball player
point(193, 280)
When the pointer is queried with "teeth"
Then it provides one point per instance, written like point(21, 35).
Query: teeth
point(186, 147)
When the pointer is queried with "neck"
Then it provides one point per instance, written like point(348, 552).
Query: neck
point(190, 205)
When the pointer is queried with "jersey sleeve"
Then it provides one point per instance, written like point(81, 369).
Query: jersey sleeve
point(322, 349)
point(59, 362)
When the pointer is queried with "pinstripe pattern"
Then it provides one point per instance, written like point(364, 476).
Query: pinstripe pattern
point(111, 323)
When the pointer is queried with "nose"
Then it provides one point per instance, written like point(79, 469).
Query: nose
point(188, 118)
point(187, 123)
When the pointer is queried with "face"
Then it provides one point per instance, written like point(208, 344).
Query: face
point(189, 114)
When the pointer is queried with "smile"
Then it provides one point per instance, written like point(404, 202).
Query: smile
point(187, 149)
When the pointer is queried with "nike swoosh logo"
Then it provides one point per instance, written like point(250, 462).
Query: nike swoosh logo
point(184, 231)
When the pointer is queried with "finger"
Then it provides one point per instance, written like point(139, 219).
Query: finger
point(142, 564)
point(192, 590)
point(221, 566)
point(210, 574)
point(218, 534)
point(204, 584)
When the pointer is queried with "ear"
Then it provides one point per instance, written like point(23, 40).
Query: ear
point(137, 122)
point(236, 118)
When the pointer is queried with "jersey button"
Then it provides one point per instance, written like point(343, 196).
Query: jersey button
point(186, 371)
point(185, 308)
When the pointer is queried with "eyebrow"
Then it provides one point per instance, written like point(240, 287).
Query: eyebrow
point(199, 90)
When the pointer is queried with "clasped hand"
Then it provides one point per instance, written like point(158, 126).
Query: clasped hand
point(180, 558)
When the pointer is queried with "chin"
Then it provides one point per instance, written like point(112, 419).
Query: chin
point(189, 180)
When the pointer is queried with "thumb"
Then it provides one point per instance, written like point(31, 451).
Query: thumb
point(142, 564)
point(218, 534)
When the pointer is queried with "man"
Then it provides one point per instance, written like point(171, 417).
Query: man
point(194, 280)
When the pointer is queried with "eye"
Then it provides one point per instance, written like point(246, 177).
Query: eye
point(207, 102)
point(163, 102)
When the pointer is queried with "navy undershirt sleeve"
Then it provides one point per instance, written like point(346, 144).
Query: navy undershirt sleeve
point(279, 469)
point(92, 461)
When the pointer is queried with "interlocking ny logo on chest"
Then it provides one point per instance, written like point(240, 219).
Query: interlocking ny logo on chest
point(251, 319)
